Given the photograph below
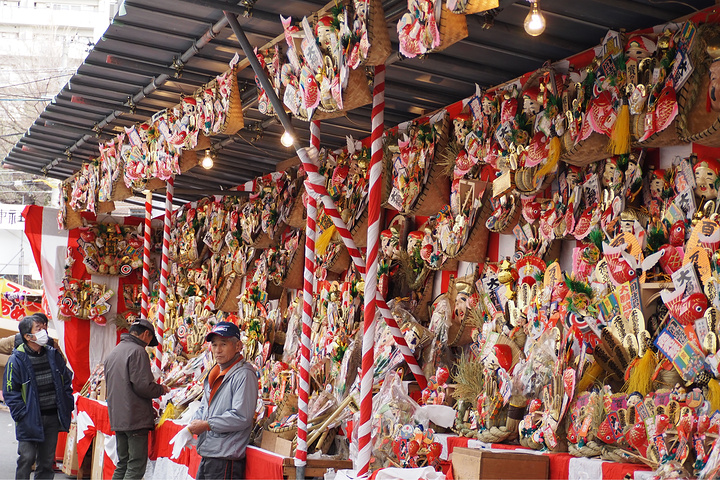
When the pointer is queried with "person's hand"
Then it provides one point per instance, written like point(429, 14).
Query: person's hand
point(166, 389)
point(197, 427)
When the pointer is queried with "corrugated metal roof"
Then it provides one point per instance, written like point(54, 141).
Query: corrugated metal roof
point(132, 73)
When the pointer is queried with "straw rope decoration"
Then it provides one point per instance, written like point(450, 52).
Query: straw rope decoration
point(307, 315)
point(373, 239)
point(146, 258)
point(164, 268)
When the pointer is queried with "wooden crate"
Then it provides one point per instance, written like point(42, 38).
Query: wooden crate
point(70, 459)
point(473, 464)
point(98, 457)
point(314, 467)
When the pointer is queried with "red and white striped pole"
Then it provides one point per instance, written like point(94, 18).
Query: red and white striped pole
point(316, 182)
point(373, 240)
point(307, 316)
point(164, 269)
point(146, 258)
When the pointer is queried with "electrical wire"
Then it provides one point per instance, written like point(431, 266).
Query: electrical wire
point(657, 2)
point(35, 81)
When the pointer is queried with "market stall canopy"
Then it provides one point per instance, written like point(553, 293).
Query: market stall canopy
point(156, 51)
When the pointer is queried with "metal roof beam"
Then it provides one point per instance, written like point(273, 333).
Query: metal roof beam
point(35, 161)
point(156, 82)
point(14, 165)
point(146, 66)
point(643, 9)
point(63, 126)
point(62, 110)
point(37, 150)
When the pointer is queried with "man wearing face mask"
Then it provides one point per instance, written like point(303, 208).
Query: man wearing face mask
point(37, 388)
point(130, 390)
point(11, 342)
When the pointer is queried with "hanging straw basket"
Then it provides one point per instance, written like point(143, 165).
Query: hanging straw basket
point(460, 334)
point(453, 28)
point(234, 121)
point(436, 191)
point(73, 219)
point(702, 127)
point(274, 291)
point(228, 292)
point(359, 230)
point(120, 191)
point(506, 222)
point(476, 245)
point(695, 123)
point(188, 159)
point(422, 311)
point(477, 6)
point(380, 47)
point(203, 142)
point(587, 151)
point(298, 215)
point(356, 94)
point(106, 207)
point(664, 138)
point(341, 262)
point(294, 274)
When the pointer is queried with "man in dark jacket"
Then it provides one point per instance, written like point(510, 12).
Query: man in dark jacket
point(226, 414)
point(130, 390)
point(11, 342)
point(37, 388)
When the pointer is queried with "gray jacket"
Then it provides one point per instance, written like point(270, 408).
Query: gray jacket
point(130, 386)
point(230, 415)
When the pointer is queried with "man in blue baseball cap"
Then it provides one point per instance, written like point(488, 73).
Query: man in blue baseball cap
point(226, 415)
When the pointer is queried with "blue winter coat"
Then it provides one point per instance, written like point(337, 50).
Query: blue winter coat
point(21, 393)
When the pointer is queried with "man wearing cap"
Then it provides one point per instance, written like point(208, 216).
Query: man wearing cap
point(130, 390)
point(226, 414)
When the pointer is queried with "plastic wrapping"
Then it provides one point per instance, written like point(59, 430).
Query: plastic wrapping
point(392, 410)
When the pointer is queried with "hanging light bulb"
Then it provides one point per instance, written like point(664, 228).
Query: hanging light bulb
point(207, 161)
point(534, 22)
point(287, 140)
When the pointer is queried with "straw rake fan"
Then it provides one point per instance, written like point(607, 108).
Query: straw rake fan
point(625, 351)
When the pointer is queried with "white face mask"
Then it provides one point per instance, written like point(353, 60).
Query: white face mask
point(41, 338)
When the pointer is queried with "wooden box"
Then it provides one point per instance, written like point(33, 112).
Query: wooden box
point(98, 457)
point(274, 443)
point(473, 464)
point(70, 459)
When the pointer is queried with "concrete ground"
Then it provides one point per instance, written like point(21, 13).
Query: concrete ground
point(8, 447)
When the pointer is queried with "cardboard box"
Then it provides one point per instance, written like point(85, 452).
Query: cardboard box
point(474, 464)
point(70, 459)
point(273, 443)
